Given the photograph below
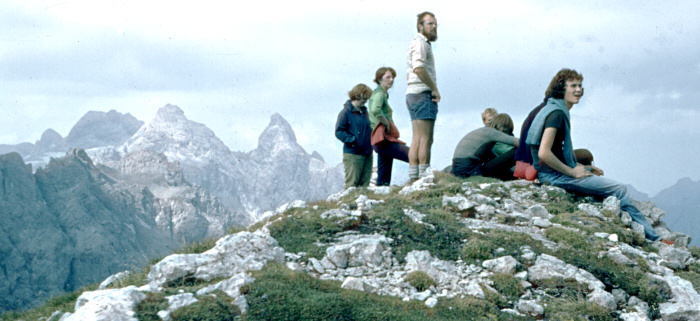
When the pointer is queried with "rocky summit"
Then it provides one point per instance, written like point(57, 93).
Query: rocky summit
point(441, 248)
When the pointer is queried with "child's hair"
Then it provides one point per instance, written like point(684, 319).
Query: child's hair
point(502, 122)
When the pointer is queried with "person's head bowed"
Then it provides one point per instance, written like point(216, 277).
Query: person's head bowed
point(502, 122)
point(360, 92)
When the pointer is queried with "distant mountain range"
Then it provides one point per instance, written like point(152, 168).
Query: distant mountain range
point(119, 190)
point(681, 201)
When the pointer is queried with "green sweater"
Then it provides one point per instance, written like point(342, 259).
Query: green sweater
point(379, 106)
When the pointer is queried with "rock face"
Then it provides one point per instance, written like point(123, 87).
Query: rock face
point(185, 211)
point(276, 172)
point(68, 225)
point(98, 129)
point(283, 171)
point(204, 158)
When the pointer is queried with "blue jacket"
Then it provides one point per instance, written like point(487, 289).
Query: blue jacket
point(354, 130)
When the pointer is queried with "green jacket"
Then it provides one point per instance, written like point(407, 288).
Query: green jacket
point(379, 106)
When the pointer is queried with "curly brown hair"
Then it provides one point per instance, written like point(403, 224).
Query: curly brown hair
point(359, 92)
point(565, 74)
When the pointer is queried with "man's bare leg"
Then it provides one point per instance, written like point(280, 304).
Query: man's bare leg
point(419, 153)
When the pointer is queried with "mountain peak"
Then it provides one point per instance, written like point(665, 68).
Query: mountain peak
point(179, 138)
point(278, 136)
point(170, 110)
point(97, 128)
point(50, 140)
point(170, 114)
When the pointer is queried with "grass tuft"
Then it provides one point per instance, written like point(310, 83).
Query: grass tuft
point(147, 310)
point(508, 286)
point(570, 238)
point(576, 310)
point(477, 250)
point(420, 280)
point(197, 247)
point(208, 308)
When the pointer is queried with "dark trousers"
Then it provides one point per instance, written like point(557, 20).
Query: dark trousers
point(500, 166)
point(386, 153)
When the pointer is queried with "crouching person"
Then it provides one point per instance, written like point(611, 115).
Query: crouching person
point(473, 155)
point(549, 139)
point(354, 130)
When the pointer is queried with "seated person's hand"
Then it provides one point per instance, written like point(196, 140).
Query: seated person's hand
point(595, 170)
point(580, 171)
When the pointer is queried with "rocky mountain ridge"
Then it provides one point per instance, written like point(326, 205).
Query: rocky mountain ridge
point(464, 250)
point(682, 203)
point(173, 176)
point(67, 225)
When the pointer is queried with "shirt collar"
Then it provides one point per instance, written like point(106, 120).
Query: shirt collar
point(422, 36)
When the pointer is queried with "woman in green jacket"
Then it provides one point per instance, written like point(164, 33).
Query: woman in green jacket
point(380, 113)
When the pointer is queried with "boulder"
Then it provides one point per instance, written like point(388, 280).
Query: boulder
point(231, 255)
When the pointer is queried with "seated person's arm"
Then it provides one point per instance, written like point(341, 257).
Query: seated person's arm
point(545, 154)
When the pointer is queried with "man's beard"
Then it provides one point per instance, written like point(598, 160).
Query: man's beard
point(430, 37)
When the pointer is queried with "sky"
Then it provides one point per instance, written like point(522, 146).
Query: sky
point(231, 65)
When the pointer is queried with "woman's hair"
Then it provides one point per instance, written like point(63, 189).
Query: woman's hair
point(502, 122)
point(359, 92)
point(380, 73)
point(563, 75)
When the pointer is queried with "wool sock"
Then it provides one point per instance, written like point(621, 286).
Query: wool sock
point(422, 168)
point(413, 172)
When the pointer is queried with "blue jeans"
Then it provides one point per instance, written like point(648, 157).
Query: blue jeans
point(599, 186)
point(386, 153)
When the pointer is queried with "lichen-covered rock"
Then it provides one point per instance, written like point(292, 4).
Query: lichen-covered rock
point(232, 254)
point(353, 283)
point(503, 264)
point(684, 303)
point(675, 258)
point(359, 250)
point(530, 307)
point(548, 266)
point(603, 298)
point(612, 204)
point(107, 305)
point(538, 211)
